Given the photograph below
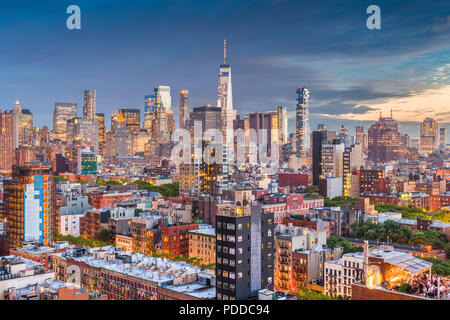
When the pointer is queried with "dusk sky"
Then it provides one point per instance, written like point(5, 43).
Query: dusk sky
point(125, 48)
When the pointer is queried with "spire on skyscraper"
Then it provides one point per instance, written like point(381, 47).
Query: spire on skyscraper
point(224, 51)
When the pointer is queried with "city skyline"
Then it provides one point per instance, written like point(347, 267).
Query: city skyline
point(386, 71)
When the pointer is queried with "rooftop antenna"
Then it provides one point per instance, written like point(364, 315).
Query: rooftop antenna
point(224, 51)
point(380, 113)
point(391, 114)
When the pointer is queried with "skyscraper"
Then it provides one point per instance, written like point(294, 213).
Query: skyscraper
point(132, 119)
point(361, 138)
point(17, 112)
point(282, 111)
point(385, 142)
point(63, 112)
point(428, 136)
point(302, 129)
point(6, 141)
point(27, 132)
point(352, 162)
point(89, 108)
point(121, 136)
point(184, 108)
point(30, 205)
point(319, 138)
point(224, 88)
point(442, 142)
point(225, 102)
point(101, 132)
point(163, 114)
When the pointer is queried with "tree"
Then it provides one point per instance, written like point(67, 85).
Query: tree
point(103, 235)
point(311, 189)
point(334, 241)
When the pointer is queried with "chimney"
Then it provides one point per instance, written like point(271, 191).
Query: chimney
point(366, 261)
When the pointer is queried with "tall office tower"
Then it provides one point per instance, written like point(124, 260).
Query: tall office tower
point(163, 100)
point(267, 129)
point(89, 108)
point(17, 112)
point(121, 136)
point(244, 252)
point(163, 113)
point(428, 136)
point(332, 160)
point(345, 137)
point(63, 112)
point(361, 138)
point(225, 102)
point(301, 123)
point(184, 108)
point(385, 142)
point(194, 176)
point(352, 162)
point(27, 133)
point(149, 111)
point(132, 119)
point(442, 142)
point(100, 117)
point(72, 130)
point(30, 203)
point(87, 133)
point(284, 135)
point(6, 141)
point(319, 138)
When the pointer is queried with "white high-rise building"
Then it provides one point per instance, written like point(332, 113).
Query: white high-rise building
point(225, 102)
point(17, 115)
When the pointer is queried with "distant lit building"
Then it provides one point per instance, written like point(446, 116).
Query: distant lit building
point(429, 136)
point(101, 132)
point(133, 119)
point(386, 143)
point(90, 104)
point(6, 141)
point(442, 141)
point(301, 124)
point(184, 108)
point(63, 112)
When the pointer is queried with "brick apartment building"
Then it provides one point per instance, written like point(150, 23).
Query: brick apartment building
point(175, 239)
point(101, 200)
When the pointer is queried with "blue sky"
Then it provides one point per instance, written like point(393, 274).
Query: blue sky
point(126, 47)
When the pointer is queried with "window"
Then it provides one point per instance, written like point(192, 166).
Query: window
point(239, 239)
point(232, 275)
point(232, 251)
point(240, 226)
point(231, 238)
point(240, 250)
point(239, 275)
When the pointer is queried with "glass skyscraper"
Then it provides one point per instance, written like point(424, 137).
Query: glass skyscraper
point(302, 130)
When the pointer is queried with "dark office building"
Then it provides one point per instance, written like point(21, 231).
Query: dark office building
point(319, 138)
point(244, 253)
point(62, 163)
